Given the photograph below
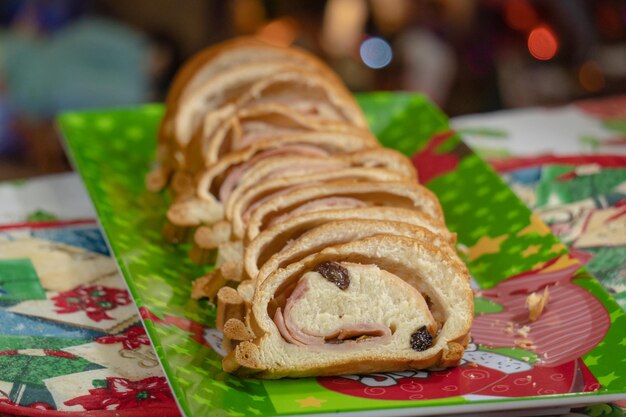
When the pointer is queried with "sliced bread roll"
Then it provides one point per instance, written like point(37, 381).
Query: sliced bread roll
point(276, 238)
point(342, 194)
point(220, 179)
point(208, 238)
point(359, 307)
point(230, 255)
point(304, 92)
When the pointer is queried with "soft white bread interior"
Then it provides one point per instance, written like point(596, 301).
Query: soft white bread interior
point(362, 315)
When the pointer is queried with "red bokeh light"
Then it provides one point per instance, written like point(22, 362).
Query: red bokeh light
point(543, 43)
point(520, 15)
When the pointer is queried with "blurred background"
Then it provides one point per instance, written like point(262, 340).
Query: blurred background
point(469, 56)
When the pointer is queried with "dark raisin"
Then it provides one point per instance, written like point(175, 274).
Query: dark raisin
point(421, 339)
point(334, 273)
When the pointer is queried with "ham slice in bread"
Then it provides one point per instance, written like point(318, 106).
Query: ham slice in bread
point(378, 319)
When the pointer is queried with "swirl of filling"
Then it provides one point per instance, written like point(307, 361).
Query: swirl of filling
point(374, 307)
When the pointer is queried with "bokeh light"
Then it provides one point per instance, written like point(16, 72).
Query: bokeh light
point(376, 53)
point(542, 43)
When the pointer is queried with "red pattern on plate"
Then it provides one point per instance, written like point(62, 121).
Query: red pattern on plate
point(572, 323)
point(469, 380)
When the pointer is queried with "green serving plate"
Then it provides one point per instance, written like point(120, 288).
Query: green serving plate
point(575, 353)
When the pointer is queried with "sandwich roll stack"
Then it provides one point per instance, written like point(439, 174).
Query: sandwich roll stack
point(329, 256)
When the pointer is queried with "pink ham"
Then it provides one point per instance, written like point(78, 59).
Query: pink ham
point(230, 182)
point(321, 204)
point(292, 333)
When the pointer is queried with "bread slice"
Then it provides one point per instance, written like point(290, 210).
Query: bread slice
point(294, 165)
point(344, 231)
point(276, 238)
point(207, 238)
point(306, 324)
point(295, 87)
point(343, 194)
point(238, 128)
point(239, 206)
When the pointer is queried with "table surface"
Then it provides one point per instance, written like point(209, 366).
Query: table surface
point(567, 163)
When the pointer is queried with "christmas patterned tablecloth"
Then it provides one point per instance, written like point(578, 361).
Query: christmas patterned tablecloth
point(71, 340)
point(70, 336)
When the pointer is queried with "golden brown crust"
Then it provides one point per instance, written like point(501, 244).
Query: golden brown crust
point(452, 355)
point(230, 305)
point(207, 285)
point(365, 366)
point(235, 329)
